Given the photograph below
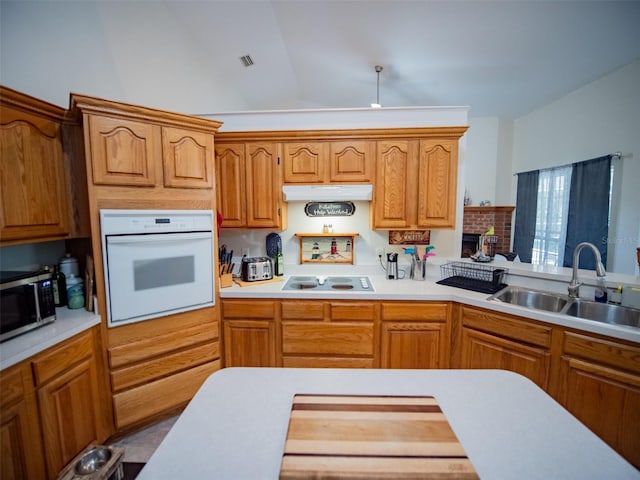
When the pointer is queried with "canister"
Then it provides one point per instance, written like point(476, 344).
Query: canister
point(75, 292)
point(69, 265)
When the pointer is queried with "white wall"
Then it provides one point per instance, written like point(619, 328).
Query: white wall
point(598, 119)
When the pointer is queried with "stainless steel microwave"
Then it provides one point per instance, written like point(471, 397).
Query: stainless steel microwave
point(26, 302)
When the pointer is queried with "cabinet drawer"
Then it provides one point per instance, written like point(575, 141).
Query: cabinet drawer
point(507, 326)
point(62, 357)
point(413, 311)
point(13, 387)
point(352, 312)
point(167, 393)
point(129, 377)
point(252, 309)
point(605, 351)
point(302, 310)
point(326, 362)
point(161, 344)
point(327, 338)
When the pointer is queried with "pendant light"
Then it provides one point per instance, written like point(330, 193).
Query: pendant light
point(378, 69)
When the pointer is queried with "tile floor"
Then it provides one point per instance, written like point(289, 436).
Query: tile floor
point(139, 446)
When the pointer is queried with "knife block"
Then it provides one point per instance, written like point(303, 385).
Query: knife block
point(226, 280)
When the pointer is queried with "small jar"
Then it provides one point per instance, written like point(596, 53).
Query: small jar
point(75, 292)
point(69, 265)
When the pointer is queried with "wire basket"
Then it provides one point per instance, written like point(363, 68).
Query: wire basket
point(470, 276)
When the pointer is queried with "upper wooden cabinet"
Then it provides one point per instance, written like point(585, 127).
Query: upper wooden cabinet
point(328, 162)
point(249, 185)
point(416, 182)
point(34, 197)
point(135, 146)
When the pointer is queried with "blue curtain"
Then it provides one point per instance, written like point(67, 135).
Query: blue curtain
point(588, 210)
point(526, 206)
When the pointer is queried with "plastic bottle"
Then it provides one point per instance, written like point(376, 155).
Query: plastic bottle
point(601, 291)
point(59, 287)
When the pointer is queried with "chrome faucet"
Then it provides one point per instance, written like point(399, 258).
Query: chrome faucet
point(574, 285)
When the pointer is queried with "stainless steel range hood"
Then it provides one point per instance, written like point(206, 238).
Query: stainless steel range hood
point(327, 193)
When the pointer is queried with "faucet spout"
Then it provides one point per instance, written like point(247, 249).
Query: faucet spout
point(574, 285)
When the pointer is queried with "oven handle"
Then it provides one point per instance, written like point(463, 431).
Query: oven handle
point(158, 237)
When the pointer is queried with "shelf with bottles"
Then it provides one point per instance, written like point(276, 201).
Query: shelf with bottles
point(327, 247)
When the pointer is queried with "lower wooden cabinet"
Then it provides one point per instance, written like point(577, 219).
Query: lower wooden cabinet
point(21, 452)
point(330, 334)
point(492, 340)
point(600, 385)
point(249, 333)
point(165, 360)
point(414, 335)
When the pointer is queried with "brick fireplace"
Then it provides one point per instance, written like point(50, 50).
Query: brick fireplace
point(477, 220)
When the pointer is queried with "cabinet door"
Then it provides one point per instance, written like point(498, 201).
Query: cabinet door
point(437, 183)
point(33, 193)
point(69, 410)
point(249, 343)
point(264, 185)
point(230, 184)
point(414, 345)
point(187, 158)
point(394, 195)
point(607, 401)
point(481, 350)
point(122, 151)
point(305, 162)
point(21, 455)
point(351, 161)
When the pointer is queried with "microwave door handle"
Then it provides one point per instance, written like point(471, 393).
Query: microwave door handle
point(35, 300)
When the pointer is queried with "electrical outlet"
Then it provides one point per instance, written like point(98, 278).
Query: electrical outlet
point(379, 252)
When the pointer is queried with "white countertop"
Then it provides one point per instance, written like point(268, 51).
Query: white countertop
point(429, 290)
point(236, 425)
point(67, 324)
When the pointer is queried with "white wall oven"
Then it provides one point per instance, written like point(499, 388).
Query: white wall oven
point(156, 263)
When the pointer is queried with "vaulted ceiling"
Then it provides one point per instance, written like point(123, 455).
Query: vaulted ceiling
point(500, 58)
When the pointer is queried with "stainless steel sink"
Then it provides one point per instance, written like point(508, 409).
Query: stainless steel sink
point(604, 312)
point(536, 299)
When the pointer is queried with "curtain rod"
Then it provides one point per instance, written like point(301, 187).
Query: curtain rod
point(614, 155)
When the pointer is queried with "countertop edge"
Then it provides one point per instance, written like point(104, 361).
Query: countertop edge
point(67, 324)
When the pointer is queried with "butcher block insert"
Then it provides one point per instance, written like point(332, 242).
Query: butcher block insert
point(371, 437)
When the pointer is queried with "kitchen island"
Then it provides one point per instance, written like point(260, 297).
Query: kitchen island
point(235, 426)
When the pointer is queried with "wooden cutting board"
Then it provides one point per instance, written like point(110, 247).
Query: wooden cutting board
point(371, 437)
point(242, 283)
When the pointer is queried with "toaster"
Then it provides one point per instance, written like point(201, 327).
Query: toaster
point(256, 268)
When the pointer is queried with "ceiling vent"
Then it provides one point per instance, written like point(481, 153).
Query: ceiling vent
point(246, 60)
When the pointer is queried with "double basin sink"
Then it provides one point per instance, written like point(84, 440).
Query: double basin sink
point(574, 307)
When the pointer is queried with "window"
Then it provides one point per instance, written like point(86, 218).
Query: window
point(551, 216)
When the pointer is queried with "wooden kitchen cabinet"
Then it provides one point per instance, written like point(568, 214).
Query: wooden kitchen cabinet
point(333, 334)
point(66, 383)
point(249, 185)
point(249, 333)
point(600, 385)
point(34, 194)
point(166, 359)
point(414, 335)
point(416, 183)
point(328, 162)
point(133, 146)
point(493, 340)
point(21, 452)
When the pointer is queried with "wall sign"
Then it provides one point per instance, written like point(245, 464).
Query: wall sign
point(329, 209)
point(409, 237)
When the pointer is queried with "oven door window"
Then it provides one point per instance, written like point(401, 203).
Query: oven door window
point(155, 275)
